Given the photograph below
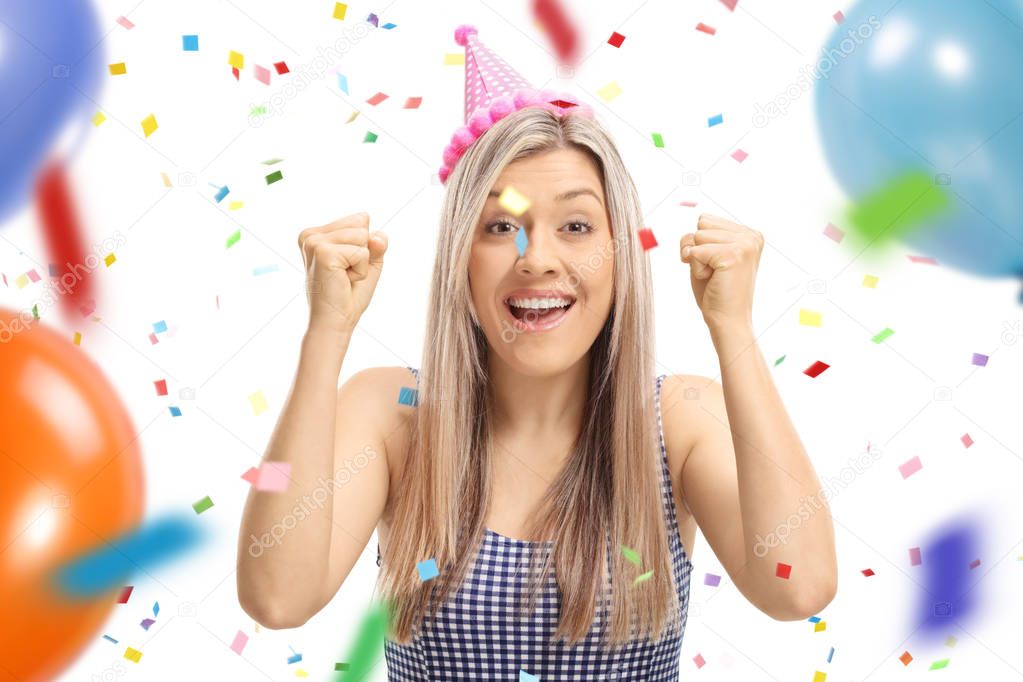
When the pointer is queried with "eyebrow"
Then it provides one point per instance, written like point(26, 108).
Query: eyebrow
point(565, 196)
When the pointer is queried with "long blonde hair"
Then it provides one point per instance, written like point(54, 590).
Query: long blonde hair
point(608, 493)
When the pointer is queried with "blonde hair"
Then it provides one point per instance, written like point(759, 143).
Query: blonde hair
point(608, 491)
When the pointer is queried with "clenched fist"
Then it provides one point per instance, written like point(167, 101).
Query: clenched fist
point(343, 262)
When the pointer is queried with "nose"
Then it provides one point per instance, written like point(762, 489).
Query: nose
point(540, 254)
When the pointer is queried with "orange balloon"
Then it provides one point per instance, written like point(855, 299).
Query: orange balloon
point(70, 480)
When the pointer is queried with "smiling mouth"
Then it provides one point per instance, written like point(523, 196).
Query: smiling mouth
point(537, 314)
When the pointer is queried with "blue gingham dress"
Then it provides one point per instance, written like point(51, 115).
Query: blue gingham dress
point(480, 635)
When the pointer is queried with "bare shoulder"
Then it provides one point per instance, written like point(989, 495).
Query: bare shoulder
point(690, 404)
point(375, 392)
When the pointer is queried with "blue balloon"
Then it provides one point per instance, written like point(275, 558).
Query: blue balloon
point(51, 61)
point(934, 87)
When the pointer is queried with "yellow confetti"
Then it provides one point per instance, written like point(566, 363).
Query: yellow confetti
point(110, 259)
point(301, 673)
point(512, 200)
point(149, 124)
point(818, 676)
point(258, 402)
point(951, 641)
point(78, 339)
point(810, 318)
point(236, 59)
point(166, 180)
point(98, 118)
point(22, 281)
point(117, 69)
point(820, 626)
point(339, 10)
point(609, 91)
point(870, 281)
point(352, 117)
point(235, 205)
point(133, 654)
point(454, 58)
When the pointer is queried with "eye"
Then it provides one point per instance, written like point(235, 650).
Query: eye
point(499, 223)
point(586, 227)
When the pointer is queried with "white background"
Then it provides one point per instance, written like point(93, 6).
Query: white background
point(173, 267)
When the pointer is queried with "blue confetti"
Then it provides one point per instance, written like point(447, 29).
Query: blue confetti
point(175, 411)
point(830, 654)
point(160, 326)
point(427, 569)
point(221, 193)
point(408, 396)
point(190, 43)
point(342, 82)
point(263, 269)
point(715, 120)
point(521, 241)
point(294, 659)
point(388, 26)
point(526, 677)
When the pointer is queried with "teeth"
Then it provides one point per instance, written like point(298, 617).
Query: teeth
point(539, 303)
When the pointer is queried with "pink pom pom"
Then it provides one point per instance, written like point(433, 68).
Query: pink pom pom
point(463, 32)
point(548, 95)
point(450, 155)
point(501, 107)
point(463, 137)
point(524, 97)
point(479, 122)
point(443, 174)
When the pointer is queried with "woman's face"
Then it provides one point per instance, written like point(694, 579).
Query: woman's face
point(569, 259)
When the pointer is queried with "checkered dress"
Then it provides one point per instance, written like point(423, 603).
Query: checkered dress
point(479, 634)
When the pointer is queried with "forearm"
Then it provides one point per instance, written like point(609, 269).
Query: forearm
point(785, 518)
point(281, 570)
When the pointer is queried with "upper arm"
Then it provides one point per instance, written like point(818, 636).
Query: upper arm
point(368, 415)
point(694, 416)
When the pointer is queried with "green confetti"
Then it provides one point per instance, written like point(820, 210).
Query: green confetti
point(274, 177)
point(898, 207)
point(631, 555)
point(202, 505)
point(938, 665)
point(778, 361)
point(367, 647)
point(882, 335)
point(658, 140)
point(35, 311)
point(270, 162)
point(370, 137)
point(234, 238)
point(641, 578)
point(258, 110)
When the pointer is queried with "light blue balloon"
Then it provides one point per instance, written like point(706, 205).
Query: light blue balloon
point(935, 86)
point(51, 61)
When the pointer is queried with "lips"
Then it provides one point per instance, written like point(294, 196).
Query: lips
point(536, 319)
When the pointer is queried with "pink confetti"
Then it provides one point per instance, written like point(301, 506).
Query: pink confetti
point(376, 99)
point(739, 155)
point(123, 21)
point(833, 233)
point(274, 476)
point(240, 640)
point(923, 259)
point(730, 4)
point(914, 556)
point(262, 74)
point(839, 17)
point(33, 275)
point(698, 660)
point(252, 476)
point(967, 441)
point(413, 102)
point(910, 467)
point(688, 204)
point(974, 564)
point(709, 30)
point(153, 340)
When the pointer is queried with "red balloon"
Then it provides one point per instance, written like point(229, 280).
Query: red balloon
point(70, 479)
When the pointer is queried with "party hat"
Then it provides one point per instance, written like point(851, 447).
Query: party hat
point(493, 89)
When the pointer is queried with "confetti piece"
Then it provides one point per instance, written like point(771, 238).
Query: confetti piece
point(974, 564)
point(898, 207)
point(809, 318)
point(818, 676)
point(427, 569)
point(927, 260)
point(271, 162)
point(274, 177)
point(190, 43)
point(521, 241)
point(867, 572)
point(235, 205)
point(161, 387)
point(133, 655)
point(21, 280)
point(264, 269)
point(408, 396)
point(717, 119)
point(156, 609)
point(366, 649)
point(376, 99)
point(294, 659)
point(221, 193)
point(830, 654)
point(281, 68)
point(124, 21)
point(950, 641)
point(110, 639)
point(820, 627)
point(388, 26)
point(833, 233)
point(658, 140)
point(454, 59)
point(160, 327)
point(125, 594)
point(914, 556)
point(258, 402)
point(252, 475)
point(341, 667)
point(513, 201)
point(730, 4)
point(153, 340)
point(882, 335)
point(33, 275)
point(118, 69)
point(711, 579)
point(814, 619)
point(236, 60)
point(782, 570)
point(98, 118)
point(910, 467)
point(647, 239)
point(610, 91)
point(262, 74)
point(739, 155)
point(905, 658)
point(838, 17)
point(340, 9)
point(373, 19)
point(240, 640)
point(938, 665)
point(616, 39)
point(149, 125)
point(979, 359)
point(274, 477)
point(370, 137)
point(631, 555)
point(550, 15)
point(870, 281)
point(526, 677)
point(77, 340)
point(967, 441)
point(643, 578)
point(698, 660)
point(146, 623)
point(175, 411)
point(779, 361)
point(688, 204)
point(413, 103)
point(709, 30)
point(815, 370)
point(202, 505)
point(234, 238)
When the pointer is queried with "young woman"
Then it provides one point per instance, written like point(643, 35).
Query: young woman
point(553, 479)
